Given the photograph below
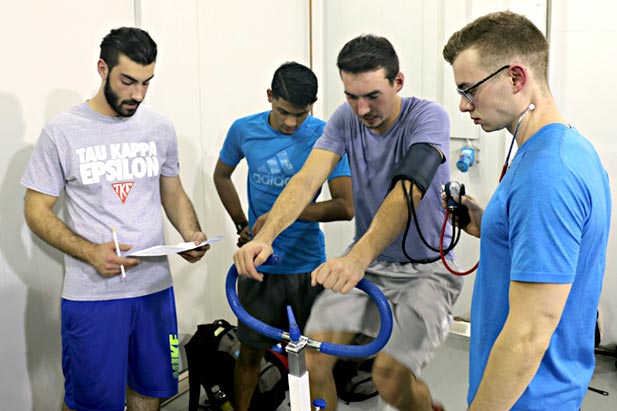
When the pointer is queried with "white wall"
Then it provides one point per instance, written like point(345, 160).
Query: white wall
point(215, 63)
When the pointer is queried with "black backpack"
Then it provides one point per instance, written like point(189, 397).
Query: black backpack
point(353, 380)
point(211, 355)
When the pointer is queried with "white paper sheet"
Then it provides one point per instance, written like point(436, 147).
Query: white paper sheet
point(159, 250)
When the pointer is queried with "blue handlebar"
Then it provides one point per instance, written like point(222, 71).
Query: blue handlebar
point(356, 351)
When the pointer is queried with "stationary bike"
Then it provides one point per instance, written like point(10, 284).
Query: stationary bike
point(299, 391)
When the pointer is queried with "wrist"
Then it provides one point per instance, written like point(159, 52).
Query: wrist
point(241, 226)
point(88, 253)
point(263, 237)
point(361, 255)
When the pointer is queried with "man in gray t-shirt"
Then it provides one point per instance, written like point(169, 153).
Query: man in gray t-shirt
point(117, 163)
point(376, 128)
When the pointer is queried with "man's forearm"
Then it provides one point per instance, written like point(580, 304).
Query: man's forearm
point(325, 211)
point(298, 193)
point(229, 197)
point(46, 225)
point(510, 368)
point(287, 208)
point(182, 216)
point(386, 225)
point(535, 310)
point(178, 207)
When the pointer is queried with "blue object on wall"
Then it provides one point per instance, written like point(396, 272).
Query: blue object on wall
point(466, 159)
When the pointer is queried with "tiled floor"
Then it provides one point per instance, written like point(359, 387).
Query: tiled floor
point(446, 375)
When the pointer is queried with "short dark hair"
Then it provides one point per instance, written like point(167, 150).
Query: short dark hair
point(500, 38)
point(368, 53)
point(295, 83)
point(134, 43)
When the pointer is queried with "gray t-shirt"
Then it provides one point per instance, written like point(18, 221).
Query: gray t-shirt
point(372, 158)
point(109, 169)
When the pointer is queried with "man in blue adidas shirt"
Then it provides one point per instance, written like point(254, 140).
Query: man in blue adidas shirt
point(276, 144)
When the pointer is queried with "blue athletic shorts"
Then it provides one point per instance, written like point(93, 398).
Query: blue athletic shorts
point(107, 345)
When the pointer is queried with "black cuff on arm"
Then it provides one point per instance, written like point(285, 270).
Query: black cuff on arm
point(419, 165)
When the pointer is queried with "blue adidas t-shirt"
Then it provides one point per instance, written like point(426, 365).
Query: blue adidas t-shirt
point(273, 158)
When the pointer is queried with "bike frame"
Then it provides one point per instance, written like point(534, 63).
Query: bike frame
point(299, 391)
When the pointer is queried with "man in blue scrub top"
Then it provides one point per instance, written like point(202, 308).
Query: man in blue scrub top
point(543, 233)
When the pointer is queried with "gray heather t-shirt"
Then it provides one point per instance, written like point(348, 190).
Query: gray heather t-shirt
point(372, 157)
point(109, 169)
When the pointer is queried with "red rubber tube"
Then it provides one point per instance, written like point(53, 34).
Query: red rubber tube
point(443, 257)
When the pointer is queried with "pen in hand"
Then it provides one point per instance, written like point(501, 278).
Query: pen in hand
point(113, 232)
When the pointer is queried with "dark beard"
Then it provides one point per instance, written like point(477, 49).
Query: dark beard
point(112, 100)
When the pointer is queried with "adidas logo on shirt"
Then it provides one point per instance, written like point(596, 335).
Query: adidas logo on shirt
point(275, 172)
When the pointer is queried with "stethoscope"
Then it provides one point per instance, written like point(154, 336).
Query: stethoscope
point(531, 107)
point(452, 190)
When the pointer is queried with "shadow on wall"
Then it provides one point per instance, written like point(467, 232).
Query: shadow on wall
point(217, 221)
point(199, 287)
point(33, 280)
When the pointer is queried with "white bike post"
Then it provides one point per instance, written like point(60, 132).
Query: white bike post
point(299, 389)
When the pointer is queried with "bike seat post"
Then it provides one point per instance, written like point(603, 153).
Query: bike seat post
point(299, 390)
point(296, 357)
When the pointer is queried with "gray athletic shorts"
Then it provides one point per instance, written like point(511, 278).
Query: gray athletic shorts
point(421, 297)
point(268, 300)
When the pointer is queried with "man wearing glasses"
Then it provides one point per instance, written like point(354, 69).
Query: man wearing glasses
point(543, 249)
point(470, 91)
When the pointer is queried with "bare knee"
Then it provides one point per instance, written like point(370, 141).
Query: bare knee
point(250, 357)
point(138, 402)
point(398, 386)
point(392, 380)
point(319, 365)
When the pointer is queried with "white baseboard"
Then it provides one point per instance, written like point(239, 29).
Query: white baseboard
point(462, 328)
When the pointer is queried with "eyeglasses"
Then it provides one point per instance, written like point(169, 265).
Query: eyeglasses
point(469, 91)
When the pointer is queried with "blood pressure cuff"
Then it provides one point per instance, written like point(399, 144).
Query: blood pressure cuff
point(419, 166)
